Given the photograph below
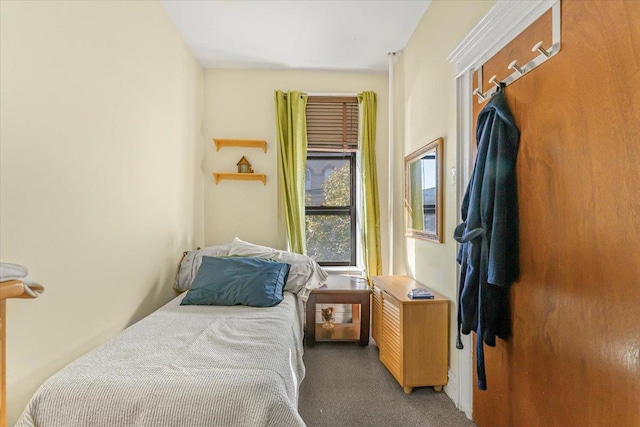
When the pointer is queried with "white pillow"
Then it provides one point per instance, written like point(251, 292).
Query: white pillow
point(305, 274)
point(190, 264)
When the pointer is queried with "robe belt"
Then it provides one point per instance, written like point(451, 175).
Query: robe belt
point(462, 237)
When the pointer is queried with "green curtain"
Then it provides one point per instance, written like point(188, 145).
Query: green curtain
point(371, 203)
point(417, 204)
point(291, 128)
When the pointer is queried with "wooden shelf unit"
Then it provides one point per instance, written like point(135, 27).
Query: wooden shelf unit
point(241, 177)
point(10, 289)
point(249, 143)
point(412, 335)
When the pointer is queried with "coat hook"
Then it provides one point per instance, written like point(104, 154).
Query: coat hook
point(476, 91)
point(539, 48)
point(514, 65)
point(495, 81)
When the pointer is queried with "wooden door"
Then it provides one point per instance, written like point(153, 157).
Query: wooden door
point(574, 357)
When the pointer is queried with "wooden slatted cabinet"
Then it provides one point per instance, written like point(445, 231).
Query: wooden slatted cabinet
point(412, 335)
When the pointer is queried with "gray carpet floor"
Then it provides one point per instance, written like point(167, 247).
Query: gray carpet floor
point(347, 385)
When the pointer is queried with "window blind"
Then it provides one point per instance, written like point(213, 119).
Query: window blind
point(332, 123)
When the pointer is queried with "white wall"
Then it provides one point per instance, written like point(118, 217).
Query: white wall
point(100, 186)
point(240, 104)
point(425, 110)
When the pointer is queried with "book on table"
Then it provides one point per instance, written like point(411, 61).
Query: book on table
point(420, 293)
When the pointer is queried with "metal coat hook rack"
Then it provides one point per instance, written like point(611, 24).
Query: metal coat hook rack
point(520, 70)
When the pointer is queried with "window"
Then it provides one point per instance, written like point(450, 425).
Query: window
point(327, 172)
point(330, 199)
point(307, 179)
point(428, 173)
point(330, 224)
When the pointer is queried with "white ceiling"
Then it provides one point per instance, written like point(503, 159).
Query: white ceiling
point(296, 34)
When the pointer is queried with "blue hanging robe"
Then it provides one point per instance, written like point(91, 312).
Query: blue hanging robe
point(488, 235)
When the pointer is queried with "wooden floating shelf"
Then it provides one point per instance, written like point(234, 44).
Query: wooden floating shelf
point(241, 177)
point(250, 143)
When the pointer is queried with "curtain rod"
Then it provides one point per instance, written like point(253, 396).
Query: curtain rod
point(332, 94)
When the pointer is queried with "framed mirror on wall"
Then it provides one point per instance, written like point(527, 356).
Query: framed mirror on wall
point(423, 192)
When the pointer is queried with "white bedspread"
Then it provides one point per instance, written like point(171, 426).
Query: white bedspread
point(184, 366)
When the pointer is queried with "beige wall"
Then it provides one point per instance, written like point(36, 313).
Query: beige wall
point(100, 184)
point(240, 104)
point(425, 110)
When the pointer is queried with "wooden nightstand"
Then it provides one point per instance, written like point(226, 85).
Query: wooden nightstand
point(340, 289)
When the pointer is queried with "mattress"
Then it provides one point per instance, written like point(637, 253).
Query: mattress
point(184, 366)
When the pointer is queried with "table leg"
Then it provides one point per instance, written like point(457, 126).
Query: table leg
point(310, 324)
point(365, 320)
point(355, 313)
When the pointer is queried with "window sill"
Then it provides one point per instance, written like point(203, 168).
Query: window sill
point(348, 270)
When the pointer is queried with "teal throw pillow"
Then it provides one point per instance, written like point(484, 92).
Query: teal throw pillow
point(238, 281)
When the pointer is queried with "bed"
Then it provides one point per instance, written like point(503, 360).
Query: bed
point(186, 365)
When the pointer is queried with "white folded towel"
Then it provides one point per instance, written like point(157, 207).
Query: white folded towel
point(10, 271)
point(32, 288)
